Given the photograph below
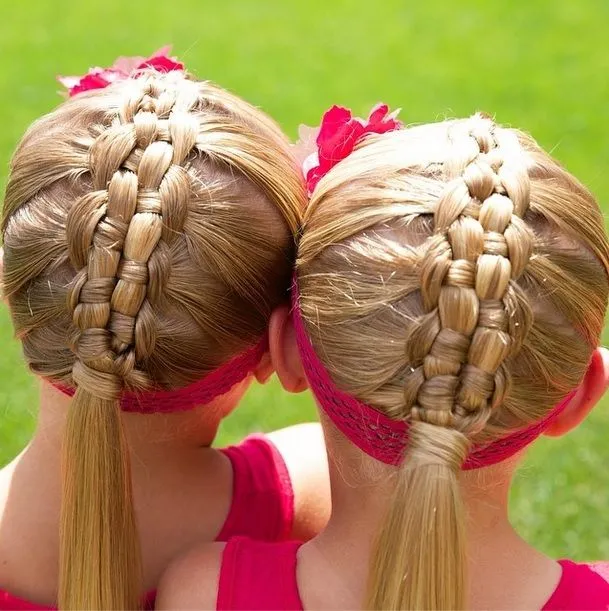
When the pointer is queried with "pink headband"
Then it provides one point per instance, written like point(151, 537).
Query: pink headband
point(213, 385)
point(378, 435)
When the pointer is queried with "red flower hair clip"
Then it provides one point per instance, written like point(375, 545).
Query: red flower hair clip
point(123, 68)
point(338, 135)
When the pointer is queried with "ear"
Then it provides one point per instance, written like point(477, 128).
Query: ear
point(592, 388)
point(284, 351)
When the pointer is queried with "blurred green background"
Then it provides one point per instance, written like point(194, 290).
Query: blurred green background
point(540, 65)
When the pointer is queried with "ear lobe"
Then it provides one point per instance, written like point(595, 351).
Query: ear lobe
point(592, 388)
point(265, 370)
point(284, 351)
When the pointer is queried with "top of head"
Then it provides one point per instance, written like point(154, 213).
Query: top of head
point(454, 274)
point(148, 233)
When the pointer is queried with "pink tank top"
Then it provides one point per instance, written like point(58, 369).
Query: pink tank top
point(263, 500)
point(259, 575)
point(262, 506)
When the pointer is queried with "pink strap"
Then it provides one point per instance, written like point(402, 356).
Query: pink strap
point(258, 576)
point(263, 500)
point(378, 435)
point(582, 587)
point(8, 602)
point(213, 385)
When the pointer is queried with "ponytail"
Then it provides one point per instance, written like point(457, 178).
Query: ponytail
point(99, 566)
point(419, 561)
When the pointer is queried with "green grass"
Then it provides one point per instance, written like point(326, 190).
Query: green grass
point(541, 65)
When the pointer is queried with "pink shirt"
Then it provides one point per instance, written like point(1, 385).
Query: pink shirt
point(259, 576)
point(262, 506)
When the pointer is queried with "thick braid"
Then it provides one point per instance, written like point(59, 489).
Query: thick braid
point(119, 235)
point(477, 315)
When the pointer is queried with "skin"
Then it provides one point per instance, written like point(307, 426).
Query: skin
point(182, 487)
point(505, 571)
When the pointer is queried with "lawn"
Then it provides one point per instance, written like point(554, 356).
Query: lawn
point(538, 64)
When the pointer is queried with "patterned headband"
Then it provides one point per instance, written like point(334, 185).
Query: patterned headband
point(201, 392)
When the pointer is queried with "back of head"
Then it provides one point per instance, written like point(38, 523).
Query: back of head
point(463, 291)
point(148, 233)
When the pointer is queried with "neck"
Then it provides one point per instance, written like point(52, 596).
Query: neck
point(500, 562)
point(163, 443)
point(156, 433)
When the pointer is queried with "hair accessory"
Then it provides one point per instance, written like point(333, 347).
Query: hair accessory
point(213, 385)
point(123, 68)
point(338, 135)
point(378, 435)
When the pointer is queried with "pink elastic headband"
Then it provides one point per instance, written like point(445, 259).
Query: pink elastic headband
point(203, 391)
point(381, 437)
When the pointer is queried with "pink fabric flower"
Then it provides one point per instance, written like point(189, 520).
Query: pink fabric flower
point(161, 63)
point(339, 133)
point(96, 78)
point(123, 68)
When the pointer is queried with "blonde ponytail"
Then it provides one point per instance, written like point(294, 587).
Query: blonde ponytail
point(100, 565)
point(419, 560)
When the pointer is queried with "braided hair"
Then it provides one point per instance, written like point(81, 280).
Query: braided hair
point(149, 232)
point(463, 291)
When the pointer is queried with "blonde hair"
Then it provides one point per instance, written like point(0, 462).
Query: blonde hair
point(149, 232)
point(455, 276)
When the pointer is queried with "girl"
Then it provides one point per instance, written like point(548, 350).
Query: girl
point(449, 318)
point(148, 238)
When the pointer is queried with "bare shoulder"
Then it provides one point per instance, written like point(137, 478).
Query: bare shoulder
point(303, 449)
point(191, 581)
